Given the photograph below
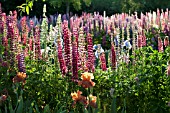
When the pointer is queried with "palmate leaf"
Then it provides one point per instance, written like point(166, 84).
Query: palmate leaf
point(25, 7)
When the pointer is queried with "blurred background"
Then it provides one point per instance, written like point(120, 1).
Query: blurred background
point(78, 6)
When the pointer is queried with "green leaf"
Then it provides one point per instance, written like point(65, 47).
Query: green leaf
point(30, 109)
point(27, 10)
point(30, 4)
point(20, 7)
point(85, 110)
point(113, 105)
point(36, 107)
point(98, 105)
point(6, 109)
point(46, 109)
point(63, 111)
point(24, 4)
point(60, 110)
point(23, 9)
point(11, 110)
point(20, 106)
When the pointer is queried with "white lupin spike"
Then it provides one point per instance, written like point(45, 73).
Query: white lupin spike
point(154, 17)
point(128, 38)
point(104, 15)
point(44, 10)
point(118, 47)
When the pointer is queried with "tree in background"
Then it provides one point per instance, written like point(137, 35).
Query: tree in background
point(76, 4)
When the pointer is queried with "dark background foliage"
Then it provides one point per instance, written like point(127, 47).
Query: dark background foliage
point(110, 6)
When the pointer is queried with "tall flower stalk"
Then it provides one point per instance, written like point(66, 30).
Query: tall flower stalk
point(82, 50)
point(44, 32)
point(21, 62)
point(63, 67)
point(37, 46)
point(90, 63)
point(67, 52)
point(62, 63)
point(4, 36)
point(113, 56)
point(76, 36)
point(1, 24)
point(74, 59)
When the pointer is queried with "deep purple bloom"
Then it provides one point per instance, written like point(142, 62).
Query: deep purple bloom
point(21, 63)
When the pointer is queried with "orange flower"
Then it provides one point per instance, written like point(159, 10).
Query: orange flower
point(86, 83)
point(87, 76)
point(86, 80)
point(20, 77)
point(93, 101)
point(77, 97)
